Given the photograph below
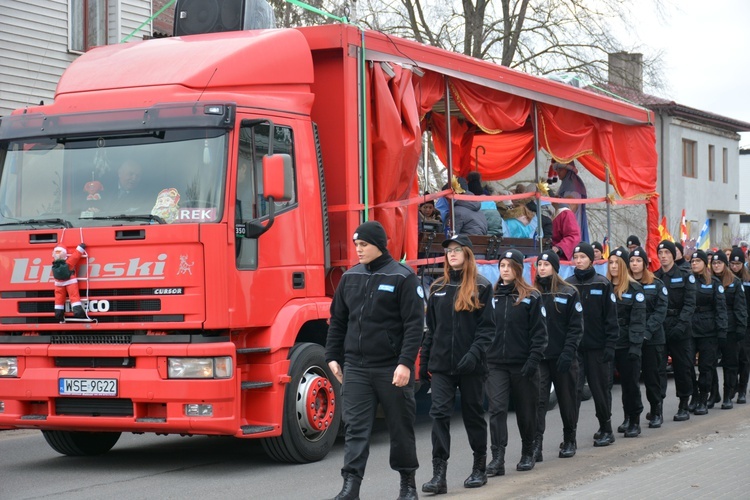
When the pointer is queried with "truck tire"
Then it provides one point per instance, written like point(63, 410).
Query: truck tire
point(81, 444)
point(312, 413)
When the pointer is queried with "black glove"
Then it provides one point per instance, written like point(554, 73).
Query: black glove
point(424, 375)
point(564, 362)
point(467, 364)
point(530, 367)
point(609, 355)
point(634, 352)
point(82, 245)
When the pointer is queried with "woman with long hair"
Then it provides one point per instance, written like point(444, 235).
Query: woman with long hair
point(460, 325)
point(729, 348)
point(560, 363)
point(513, 359)
point(653, 360)
point(709, 326)
point(631, 316)
point(738, 267)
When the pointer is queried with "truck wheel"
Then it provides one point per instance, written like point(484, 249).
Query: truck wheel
point(81, 444)
point(312, 413)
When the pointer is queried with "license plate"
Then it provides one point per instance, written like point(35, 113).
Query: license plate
point(88, 387)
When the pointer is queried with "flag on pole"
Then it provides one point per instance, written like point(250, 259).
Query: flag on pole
point(704, 239)
point(664, 231)
point(605, 248)
point(683, 228)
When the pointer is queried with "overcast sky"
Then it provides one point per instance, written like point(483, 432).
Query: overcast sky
point(706, 48)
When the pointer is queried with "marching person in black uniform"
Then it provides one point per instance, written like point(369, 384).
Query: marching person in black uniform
point(513, 358)
point(600, 334)
point(560, 363)
point(681, 287)
point(709, 326)
point(377, 321)
point(653, 361)
point(737, 266)
point(631, 316)
point(680, 257)
point(736, 326)
point(460, 326)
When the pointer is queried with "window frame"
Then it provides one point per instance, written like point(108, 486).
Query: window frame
point(82, 16)
point(725, 165)
point(711, 163)
point(689, 168)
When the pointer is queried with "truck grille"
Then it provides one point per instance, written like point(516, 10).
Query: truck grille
point(94, 407)
point(122, 305)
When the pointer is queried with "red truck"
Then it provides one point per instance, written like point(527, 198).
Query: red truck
point(207, 296)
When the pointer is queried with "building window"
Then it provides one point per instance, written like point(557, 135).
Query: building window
point(711, 163)
point(725, 165)
point(688, 158)
point(88, 24)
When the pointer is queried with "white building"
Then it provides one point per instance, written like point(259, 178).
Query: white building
point(40, 38)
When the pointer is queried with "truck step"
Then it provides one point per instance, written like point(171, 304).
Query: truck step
point(34, 417)
point(256, 429)
point(253, 350)
point(255, 385)
point(151, 420)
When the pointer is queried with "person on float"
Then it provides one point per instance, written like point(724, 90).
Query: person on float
point(738, 267)
point(560, 363)
point(729, 349)
point(513, 359)
point(600, 334)
point(460, 327)
point(677, 325)
point(709, 326)
point(631, 316)
point(653, 361)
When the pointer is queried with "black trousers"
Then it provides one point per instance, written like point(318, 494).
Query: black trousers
point(630, 374)
point(706, 349)
point(653, 369)
point(363, 389)
point(567, 395)
point(683, 359)
point(472, 408)
point(503, 383)
point(599, 374)
point(730, 355)
point(744, 363)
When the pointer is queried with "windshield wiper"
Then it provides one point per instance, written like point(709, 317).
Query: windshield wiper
point(144, 217)
point(39, 222)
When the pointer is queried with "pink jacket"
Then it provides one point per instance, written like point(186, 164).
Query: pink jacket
point(566, 233)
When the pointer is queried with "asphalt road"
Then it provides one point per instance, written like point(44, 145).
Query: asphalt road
point(164, 467)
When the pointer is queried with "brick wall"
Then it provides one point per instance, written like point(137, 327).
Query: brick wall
point(164, 23)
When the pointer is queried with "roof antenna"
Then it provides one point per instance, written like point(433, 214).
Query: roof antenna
point(207, 84)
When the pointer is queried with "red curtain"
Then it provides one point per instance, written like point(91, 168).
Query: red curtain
point(491, 110)
point(396, 145)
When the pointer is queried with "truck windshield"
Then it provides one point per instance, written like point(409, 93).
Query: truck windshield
point(156, 177)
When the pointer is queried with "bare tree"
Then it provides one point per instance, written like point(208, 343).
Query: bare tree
point(536, 36)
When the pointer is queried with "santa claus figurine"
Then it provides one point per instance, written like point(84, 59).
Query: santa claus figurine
point(66, 281)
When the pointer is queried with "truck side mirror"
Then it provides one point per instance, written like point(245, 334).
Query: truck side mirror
point(277, 177)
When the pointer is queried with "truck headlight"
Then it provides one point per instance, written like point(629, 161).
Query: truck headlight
point(220, 367)
point(9, 367)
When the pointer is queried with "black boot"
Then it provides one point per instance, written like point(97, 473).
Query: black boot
point(598, 434)
point(727, 403)
point(569, 445)
point(634, 426)
point(683, 411)
point(625, 424)
point(742, 395)
point(408, 488)
point(78, 312)
point(60, 315)
point(350, 490)
point(607, 438)
point(702, 407)
point(478, 476)
point(437, 484)
point(693, 403)
point(527, 457)
point(711, 401)
point(538, 457)
point(496, 467)
point(655, 418)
